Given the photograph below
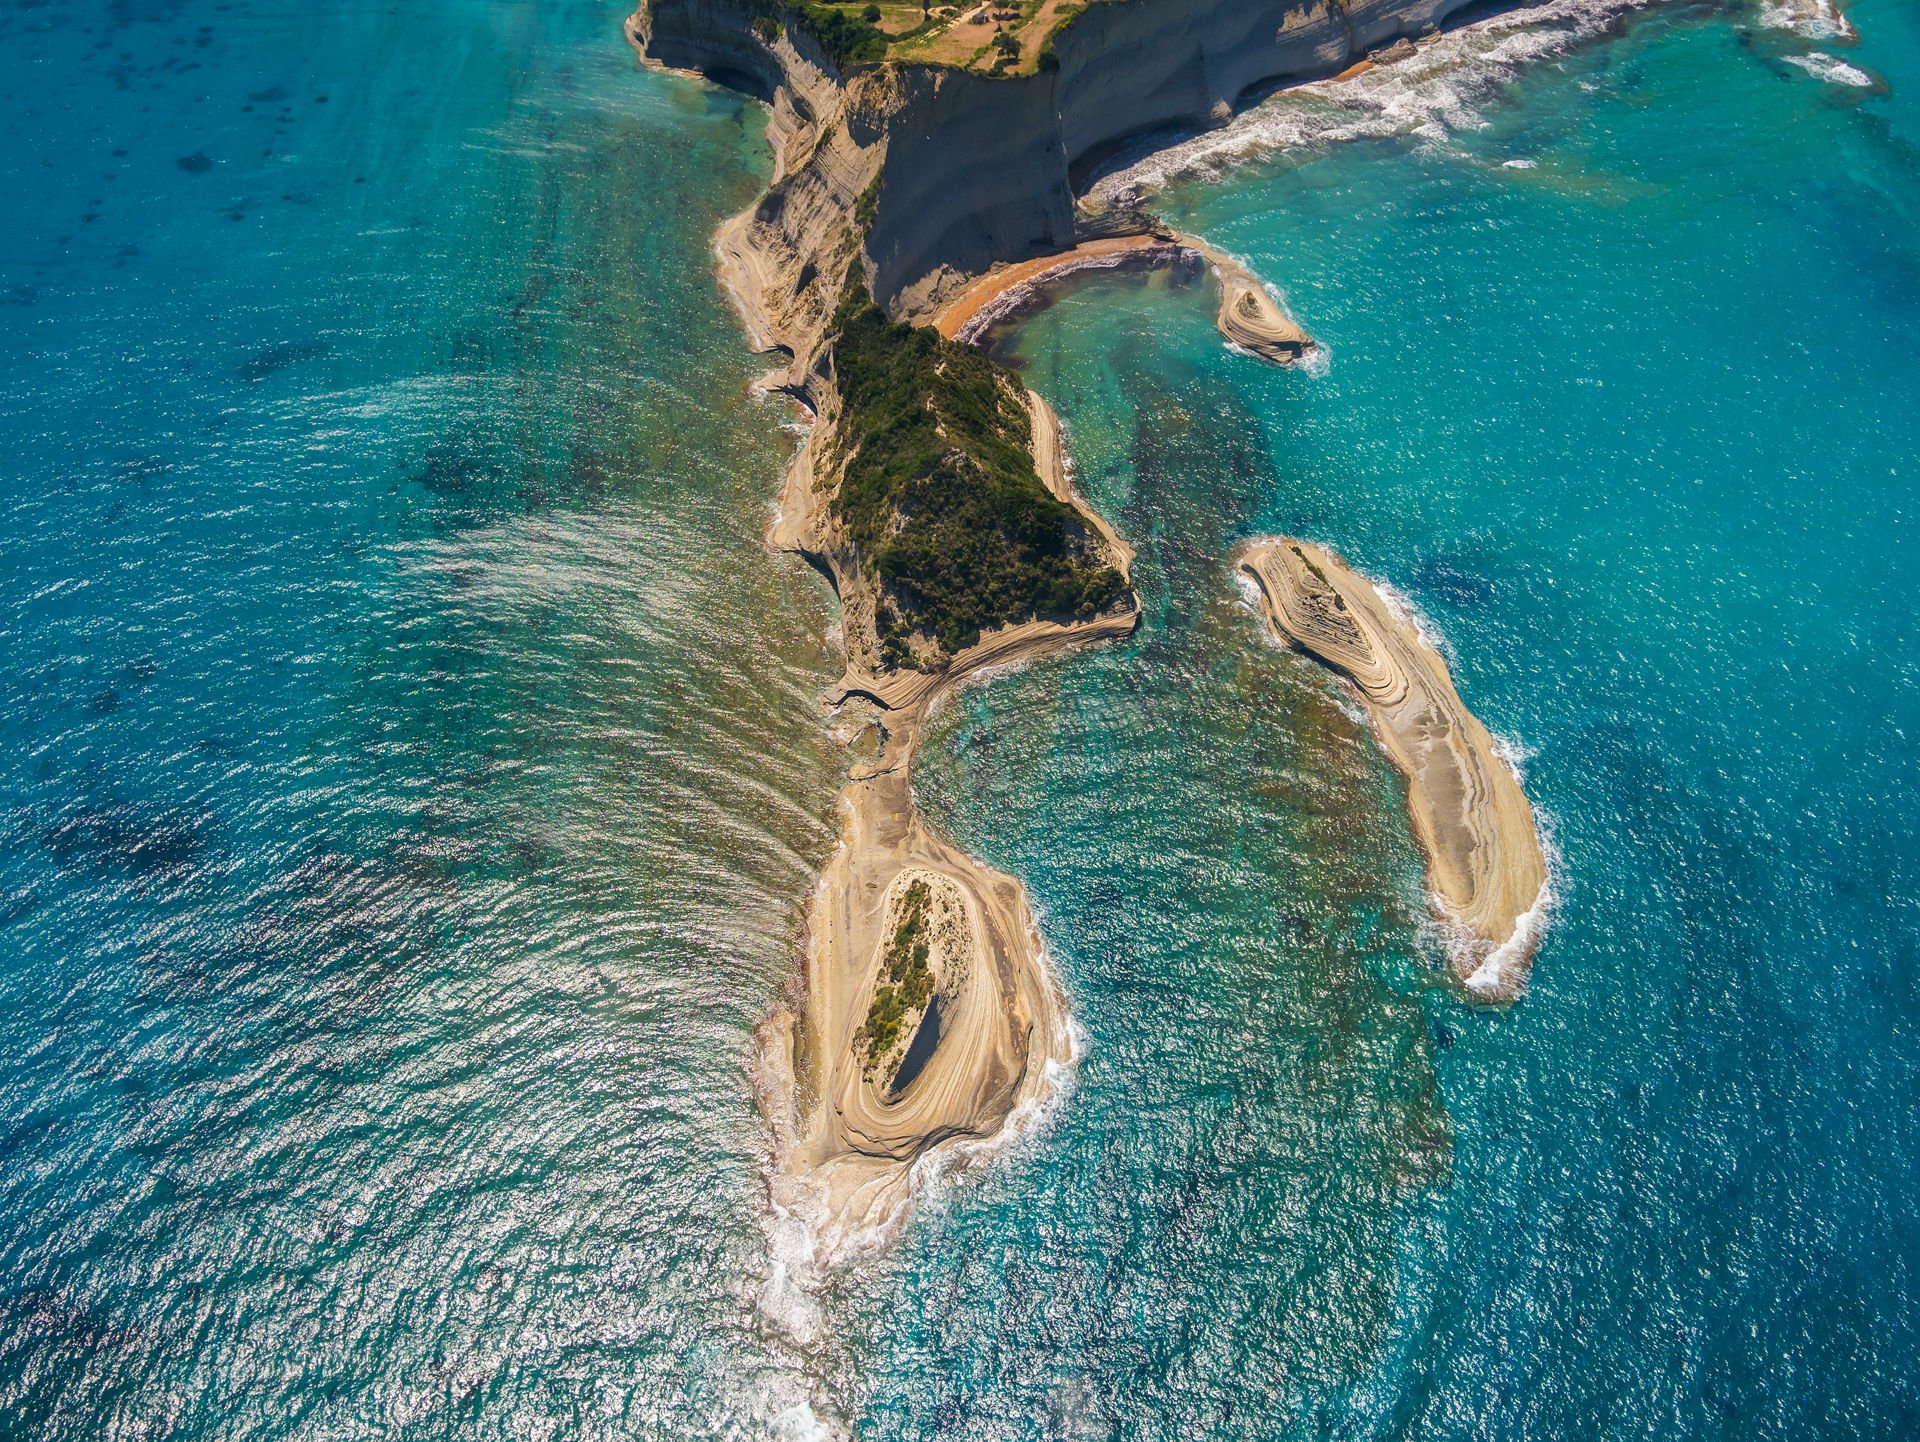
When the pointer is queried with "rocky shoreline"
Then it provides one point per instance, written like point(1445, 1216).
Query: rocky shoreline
point(917, 181)
point(1486, 872)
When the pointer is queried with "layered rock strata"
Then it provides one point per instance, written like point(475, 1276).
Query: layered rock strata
point(1486, 873)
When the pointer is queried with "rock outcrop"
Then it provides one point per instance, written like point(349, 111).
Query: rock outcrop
point(1485, 870)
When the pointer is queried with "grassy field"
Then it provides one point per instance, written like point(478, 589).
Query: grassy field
point(1001, 37)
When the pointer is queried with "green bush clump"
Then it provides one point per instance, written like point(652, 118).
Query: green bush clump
point(849, 39)
point(909, 984)
point(940, 496)
point(866, 206)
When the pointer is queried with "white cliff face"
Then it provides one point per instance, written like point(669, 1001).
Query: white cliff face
point(785, 258)
point(978, 170)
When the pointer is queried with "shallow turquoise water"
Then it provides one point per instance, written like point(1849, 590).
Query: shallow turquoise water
point(413, 772)
point(386, 908)
point(1634, 428)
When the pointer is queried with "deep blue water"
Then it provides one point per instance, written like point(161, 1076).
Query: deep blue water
point(413, 770)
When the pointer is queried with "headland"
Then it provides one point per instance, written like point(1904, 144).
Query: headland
point(912, 164)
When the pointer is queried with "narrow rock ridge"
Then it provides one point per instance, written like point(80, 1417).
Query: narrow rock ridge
point(1248, 316)
point(1486, 873)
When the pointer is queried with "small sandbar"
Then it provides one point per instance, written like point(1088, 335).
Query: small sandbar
point(1486, 872)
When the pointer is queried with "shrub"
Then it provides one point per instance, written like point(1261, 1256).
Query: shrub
point(866, 205)
point(850, 40)
point(950, 520)
point(909, 980)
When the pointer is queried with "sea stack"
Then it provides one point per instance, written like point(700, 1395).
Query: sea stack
point(1251, 318)
point(1485, 870)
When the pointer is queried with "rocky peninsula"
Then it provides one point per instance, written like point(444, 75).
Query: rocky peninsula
point(1485, 869)
point(919, 152)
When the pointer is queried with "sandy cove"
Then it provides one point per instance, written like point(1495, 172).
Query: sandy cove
point(1248, 315)
point(850, 1151)
point(1486, 873)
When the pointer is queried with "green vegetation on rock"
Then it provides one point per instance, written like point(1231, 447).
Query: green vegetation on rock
point(909, 984)
point(940, 497)
point(849, 39)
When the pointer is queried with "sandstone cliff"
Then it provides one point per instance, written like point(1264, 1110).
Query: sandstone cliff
point(979, 169)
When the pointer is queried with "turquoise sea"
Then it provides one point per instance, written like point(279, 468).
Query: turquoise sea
point(413, 771)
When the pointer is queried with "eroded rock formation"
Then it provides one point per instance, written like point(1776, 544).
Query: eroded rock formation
point(1485, 870)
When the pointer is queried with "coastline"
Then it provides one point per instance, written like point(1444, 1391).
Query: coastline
point(1487, 873)
point(882, 182)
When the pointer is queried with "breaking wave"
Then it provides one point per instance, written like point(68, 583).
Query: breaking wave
point(1811, 19)
point(1434, 93)
point(1832, 69)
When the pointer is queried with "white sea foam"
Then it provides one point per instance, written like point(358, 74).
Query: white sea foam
point(799, 1424)
point(1832, 69)
point(1250, 596)
point(789, 1308)
point(1813, 19)
point(1521, 164)
point(1402, 607)
point(1317, 362)
point(1433, 94)
point(1489, 977)
point(1514, 752)
point(796, 1421)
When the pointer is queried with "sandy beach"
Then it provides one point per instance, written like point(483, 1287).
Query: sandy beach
point(1486, 872)
point(1002, 293)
